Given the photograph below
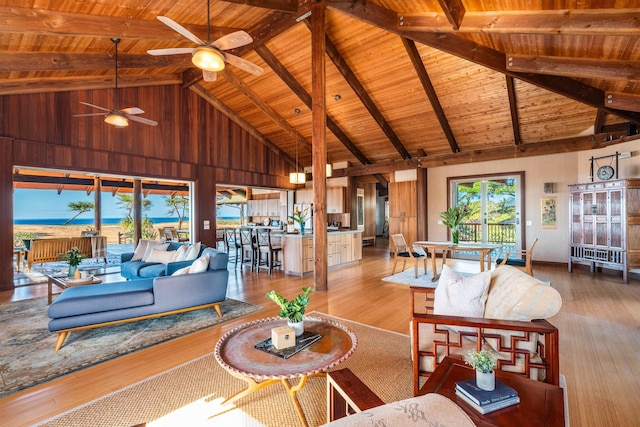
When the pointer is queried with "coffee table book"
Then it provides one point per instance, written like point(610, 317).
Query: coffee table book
point(483, 397)
point(485, 409)
point(303, 341)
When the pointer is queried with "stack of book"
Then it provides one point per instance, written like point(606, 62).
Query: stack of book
point(486, 401)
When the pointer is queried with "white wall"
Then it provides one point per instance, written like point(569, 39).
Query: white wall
point(560, 169)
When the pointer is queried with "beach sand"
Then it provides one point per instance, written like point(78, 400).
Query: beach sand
point(110, 231)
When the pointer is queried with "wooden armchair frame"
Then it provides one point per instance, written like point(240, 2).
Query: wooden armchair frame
point(518, 263)
point(406, 251)
point(547, 345)
point(347, 395)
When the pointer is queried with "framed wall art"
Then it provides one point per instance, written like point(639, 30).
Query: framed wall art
point(549, 217)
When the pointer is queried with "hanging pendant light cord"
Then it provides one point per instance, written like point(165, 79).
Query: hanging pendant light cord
point(208, 22)
point(116, 41)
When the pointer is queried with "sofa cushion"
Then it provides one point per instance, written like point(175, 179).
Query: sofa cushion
point(200, 265)
point(80, 300)
point(153, 270)
point(458, 295)
point(131, 269)
point(431, 409)
point(151, 247)
point(514, 295)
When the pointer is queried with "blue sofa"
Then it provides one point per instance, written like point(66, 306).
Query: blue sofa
point(133, 270)
point(92, 306)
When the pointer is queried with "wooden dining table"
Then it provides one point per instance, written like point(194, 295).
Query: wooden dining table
point(431, 247)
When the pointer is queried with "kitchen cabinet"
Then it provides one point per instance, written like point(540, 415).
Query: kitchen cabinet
point(604, 225)
point(298, 252)
point(403, 210)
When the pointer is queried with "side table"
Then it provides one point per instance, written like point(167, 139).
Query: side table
point(236, 353)
point(64, 282)
point(541, 404)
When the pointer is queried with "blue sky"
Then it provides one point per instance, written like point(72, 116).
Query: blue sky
point(40, 204)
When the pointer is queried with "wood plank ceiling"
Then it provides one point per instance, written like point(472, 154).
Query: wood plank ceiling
point(408, 82)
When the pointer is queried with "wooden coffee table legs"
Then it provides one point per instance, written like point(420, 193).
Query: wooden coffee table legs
point(291, 391)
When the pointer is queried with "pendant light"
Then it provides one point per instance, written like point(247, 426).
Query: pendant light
point(297, 177)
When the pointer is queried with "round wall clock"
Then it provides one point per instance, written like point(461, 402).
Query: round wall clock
point(605, 172)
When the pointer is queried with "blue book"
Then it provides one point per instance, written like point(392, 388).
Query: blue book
point(482, 397)
point(485, 409)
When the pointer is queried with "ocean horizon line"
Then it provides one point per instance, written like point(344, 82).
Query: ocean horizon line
point(91, 221)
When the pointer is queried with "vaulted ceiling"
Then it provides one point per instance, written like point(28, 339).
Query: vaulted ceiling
point(409, 83)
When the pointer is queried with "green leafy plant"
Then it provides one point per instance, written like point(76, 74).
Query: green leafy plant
point(294, 309)
point(483, 361)
point(454, 216)
point(20, 237)
point(299, 217)
point(73, 256)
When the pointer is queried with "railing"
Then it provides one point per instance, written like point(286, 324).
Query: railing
point(502, 234)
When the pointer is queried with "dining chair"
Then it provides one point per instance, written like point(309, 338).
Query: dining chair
point(523, 262)
point(404, 251)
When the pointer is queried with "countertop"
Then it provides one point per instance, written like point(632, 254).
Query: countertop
point(342, 231)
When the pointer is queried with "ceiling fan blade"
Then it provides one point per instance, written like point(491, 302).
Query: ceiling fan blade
point(243, 64)
point(95, 106)
point(180, 29)
point(142, 120)
point(209, 76)
point(88, 115)
point(170, 51)
point(132, 110)
point(233, 40)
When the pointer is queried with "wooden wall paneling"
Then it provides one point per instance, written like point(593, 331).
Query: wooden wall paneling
point(205, 210)
point(369, 209)
point(421, 205)
point(6, 214)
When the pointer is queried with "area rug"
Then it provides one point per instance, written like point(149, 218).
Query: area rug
point(408, 276)
point(191, 394)
point(27, 357)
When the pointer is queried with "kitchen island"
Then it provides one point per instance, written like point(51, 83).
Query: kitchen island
point(343, 247)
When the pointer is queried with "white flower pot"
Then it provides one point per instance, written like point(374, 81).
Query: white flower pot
point(486, 381)
point(298, 327)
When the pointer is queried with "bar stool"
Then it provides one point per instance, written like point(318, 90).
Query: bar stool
point(249, 248)
point(269, 248)
point(232, 245)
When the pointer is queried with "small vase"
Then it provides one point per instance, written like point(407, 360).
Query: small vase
point(486, 381)
point(77, 274)
point(72, 270)
point(302, 224)
point(298, 327)
point(454, 236)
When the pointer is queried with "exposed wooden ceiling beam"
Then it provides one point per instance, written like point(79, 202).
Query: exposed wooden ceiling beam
point(598, 122)
point(384, 19)
point(552, 22)
point(50, 22)
point(513, 107)
point(41, 61)
point(282, 5)
point(567, 145)
point(574, 67)
point(623, 101)
point(219, 105)
point(243, 88)
point(363, 95)
point(305, 97)
point(454, 11)
point(418, 65)
point(62, 84)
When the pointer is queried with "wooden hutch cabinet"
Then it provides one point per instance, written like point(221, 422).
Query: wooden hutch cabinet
point(605, 225)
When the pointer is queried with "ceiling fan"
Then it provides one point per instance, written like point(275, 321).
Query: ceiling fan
point(209, 56)
point(116, 117)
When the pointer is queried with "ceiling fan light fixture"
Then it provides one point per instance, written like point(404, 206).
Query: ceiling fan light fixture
point(116, 119)
point(208, 59)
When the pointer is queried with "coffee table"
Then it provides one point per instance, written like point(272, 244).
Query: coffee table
point(236, 353)
point(541, 404)
point(64, 282)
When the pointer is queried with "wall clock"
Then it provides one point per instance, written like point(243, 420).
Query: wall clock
point(605, 173)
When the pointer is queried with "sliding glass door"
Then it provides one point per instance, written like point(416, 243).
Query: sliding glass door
point(495, 206)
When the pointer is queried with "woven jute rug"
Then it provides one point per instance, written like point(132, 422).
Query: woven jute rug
point(26, 350)
point(191, 394)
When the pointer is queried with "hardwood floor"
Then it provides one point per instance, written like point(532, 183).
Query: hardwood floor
point(599, 338)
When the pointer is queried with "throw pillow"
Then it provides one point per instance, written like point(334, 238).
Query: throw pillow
point(160, 256)
point(180, 253)
point(457, 295)
point(184, 270)
point(200, 265)
point(141, 249)
point(151, 247)
point(193, 252)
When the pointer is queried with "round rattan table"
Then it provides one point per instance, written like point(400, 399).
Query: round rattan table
point(236, 352)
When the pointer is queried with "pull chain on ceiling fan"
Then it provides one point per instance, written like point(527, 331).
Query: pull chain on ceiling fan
point(116, 117)
point(209, 56)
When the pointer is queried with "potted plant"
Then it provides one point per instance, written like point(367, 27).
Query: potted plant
point(483, 362)
point(74, 257)
point(453, 218)
point(292, 310)
point(299, 217)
